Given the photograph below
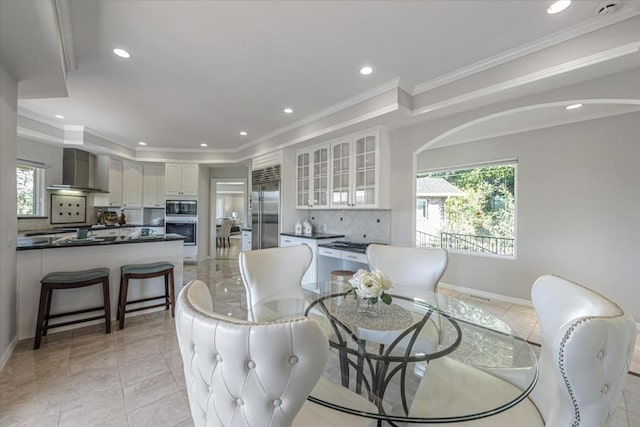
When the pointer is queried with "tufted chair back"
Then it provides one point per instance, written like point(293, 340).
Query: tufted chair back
point(272, 272)
point(587, 346)
point(245, 374)
point(412, 270)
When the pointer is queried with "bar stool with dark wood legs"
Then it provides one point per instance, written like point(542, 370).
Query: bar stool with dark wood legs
point(70, 280)
point(146, 271)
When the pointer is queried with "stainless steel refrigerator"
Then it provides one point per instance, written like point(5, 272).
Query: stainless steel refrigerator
point(265, 208)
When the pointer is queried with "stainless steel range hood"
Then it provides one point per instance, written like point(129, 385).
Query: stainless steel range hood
point(77, 171)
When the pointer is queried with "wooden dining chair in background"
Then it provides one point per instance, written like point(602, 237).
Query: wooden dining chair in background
point(587, 347)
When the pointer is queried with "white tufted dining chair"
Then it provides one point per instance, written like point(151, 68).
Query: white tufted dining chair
point(414, 271)
point(240, 373)
point(267, 273)
point(587, 346)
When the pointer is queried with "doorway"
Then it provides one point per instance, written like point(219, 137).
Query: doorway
point(229, 199)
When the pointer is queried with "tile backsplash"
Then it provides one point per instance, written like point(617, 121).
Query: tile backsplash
point(356, 225)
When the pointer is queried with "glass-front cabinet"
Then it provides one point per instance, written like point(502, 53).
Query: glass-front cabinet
point(355, 173)
point(341, 174)
point(364, 193)
point(312, 178)
point(351, 172)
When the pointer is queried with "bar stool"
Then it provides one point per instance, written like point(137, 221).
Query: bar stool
point(146, 271)
point(70, 280)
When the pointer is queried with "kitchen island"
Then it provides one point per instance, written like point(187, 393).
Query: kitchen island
point(38, 256)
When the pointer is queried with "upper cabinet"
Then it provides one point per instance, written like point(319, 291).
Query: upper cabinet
point(360, 172)
point(153, 185)
point(132, 185)
point(181, 179)
point(312, 178)
point(352, 172)
point(109, 177)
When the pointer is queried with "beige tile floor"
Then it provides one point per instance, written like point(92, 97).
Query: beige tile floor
point(134, 377)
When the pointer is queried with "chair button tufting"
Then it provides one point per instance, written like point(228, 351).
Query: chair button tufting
point(210, 389)
point(293, 360)
point(219, 358)
point(277, 402)
point(239, 402)
point(251, 364)
point(605, 389)
point(600, 354)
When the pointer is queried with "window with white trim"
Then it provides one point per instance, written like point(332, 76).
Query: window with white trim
point(478, 212)
point(30, 190)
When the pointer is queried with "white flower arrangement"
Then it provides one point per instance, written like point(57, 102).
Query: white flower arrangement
point(372, 284)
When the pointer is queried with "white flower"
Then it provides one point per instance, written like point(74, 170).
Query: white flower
point(370, 284)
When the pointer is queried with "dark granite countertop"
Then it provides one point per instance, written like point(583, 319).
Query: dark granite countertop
point(315, 236)
point(58, 230)
point(28, 243)
point(245, 228)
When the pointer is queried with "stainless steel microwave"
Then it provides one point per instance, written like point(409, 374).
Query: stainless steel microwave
point(181, 208)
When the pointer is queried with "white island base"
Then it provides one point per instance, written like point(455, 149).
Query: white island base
point(33, 264)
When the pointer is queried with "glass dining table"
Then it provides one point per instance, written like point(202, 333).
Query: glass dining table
point(387, 359)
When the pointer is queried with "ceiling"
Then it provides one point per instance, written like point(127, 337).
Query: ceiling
point(202, 71)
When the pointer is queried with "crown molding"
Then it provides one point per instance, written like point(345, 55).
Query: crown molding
point(39, 136)
point(350, 102)
point(153, 149)
point(22, 112)
point(434, 141)
point(607, 55)
point(551, 124)
point(578, 30)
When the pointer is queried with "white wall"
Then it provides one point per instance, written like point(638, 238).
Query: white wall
point(578, 208)
point(8, 216)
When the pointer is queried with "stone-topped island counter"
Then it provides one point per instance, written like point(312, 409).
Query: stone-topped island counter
point(38, 256)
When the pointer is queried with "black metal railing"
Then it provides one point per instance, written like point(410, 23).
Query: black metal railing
point(467, 242)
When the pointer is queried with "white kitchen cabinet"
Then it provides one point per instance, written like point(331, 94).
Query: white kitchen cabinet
point(109, 177)
point(312, 178)
point(246, 240)
point(360, 172)
point(153, 185)
point(132, 185)
point(330, 259)
point(181, 179)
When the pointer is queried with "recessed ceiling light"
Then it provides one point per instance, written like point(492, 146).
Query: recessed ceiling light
point(288, 110)
point(243, 133)
point(203, 145)
point(142, 143)
point(365, 71)
point(121, 53)
point(558, 6)
point(573, 106)
point(59, 116)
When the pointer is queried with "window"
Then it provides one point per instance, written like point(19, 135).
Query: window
point(479, 209)
point(30, 190)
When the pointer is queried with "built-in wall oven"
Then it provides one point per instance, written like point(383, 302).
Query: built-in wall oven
point(184, 226)
point(185, 208)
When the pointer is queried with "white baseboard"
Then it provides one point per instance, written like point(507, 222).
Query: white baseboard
point(7, 353)
point(486, 295)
